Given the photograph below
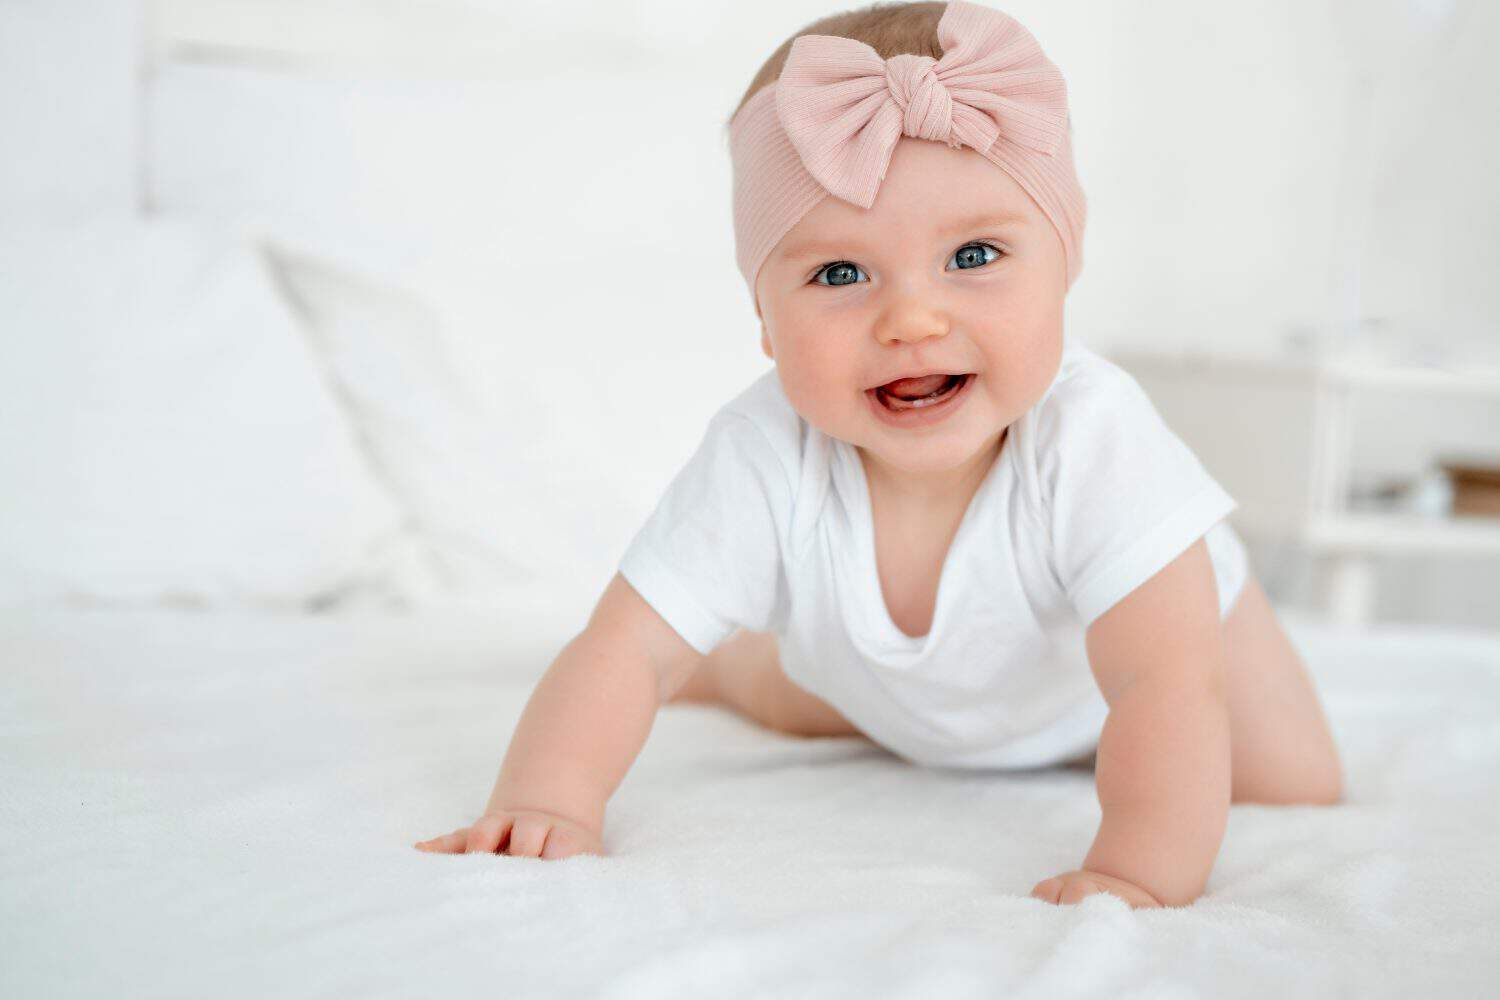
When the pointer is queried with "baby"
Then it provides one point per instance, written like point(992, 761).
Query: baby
point(938, 522)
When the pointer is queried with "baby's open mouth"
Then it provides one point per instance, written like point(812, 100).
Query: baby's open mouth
point(915, 393)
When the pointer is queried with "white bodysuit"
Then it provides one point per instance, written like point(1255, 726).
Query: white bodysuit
point(768, 527)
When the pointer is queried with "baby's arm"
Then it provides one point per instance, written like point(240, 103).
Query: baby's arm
point(578, 735)
point(1162, 769)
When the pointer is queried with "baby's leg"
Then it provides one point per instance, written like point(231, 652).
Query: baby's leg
point(1281, 748)
point(744, 672)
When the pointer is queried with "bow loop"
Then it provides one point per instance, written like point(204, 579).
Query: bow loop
point(844, 108)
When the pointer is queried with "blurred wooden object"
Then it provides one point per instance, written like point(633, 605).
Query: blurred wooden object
point(1476, 488)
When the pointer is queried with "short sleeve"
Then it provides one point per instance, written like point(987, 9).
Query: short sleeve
point(709, 557)
point(1126, 495)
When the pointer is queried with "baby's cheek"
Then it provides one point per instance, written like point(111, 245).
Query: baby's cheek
point(819, 384)
point(1030, 360)
point(1046, 355)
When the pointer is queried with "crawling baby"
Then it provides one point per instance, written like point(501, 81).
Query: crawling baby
point(938, 522)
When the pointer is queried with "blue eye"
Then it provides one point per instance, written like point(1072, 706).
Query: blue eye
point(844, 271)
point(969, 256)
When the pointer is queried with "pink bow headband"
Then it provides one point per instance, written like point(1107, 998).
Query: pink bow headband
point(830, 123)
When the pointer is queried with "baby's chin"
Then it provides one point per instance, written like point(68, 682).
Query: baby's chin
point(933, 457)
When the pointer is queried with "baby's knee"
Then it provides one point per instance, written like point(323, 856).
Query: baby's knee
point(801, 713)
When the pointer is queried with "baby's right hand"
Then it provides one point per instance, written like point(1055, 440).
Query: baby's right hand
point(532, 834)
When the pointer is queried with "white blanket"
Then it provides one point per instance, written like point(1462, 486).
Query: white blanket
point(202, 805)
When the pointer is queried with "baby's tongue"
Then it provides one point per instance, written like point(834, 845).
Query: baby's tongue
point(916, 388)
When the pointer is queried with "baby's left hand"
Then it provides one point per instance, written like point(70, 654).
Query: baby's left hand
point(1070, 887)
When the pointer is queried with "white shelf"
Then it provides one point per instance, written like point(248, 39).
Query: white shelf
point(1375, 532)
point(1316, 507)
point(1474, 378)
point(1473, 381)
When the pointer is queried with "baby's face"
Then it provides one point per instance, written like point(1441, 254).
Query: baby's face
point(852, 298)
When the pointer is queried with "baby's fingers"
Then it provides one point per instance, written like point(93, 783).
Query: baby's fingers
point(487, 833)
point(448, 843)
point(529, 835)
point(1047, 890)
point(1075, 886)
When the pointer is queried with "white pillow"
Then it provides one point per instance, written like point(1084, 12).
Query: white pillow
point(468, 488)
point(527, 438)
point(166, 433)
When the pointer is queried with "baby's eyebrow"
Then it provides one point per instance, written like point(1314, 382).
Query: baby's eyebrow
point(824, 246)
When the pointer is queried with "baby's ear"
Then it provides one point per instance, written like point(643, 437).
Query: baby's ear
point(765, 343)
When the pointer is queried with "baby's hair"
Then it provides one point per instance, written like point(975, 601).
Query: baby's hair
point(888, 28)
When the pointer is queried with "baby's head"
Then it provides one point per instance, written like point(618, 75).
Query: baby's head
point(955, 258)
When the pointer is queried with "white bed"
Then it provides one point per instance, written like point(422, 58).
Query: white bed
point(225, 805)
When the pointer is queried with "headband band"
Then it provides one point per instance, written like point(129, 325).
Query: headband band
point(830, 123)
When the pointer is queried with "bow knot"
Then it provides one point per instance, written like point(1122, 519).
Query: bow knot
point(844, 108)
point(926, 105)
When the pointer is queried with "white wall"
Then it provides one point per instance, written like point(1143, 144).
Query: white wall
point(1253, 170)
point(69, 96)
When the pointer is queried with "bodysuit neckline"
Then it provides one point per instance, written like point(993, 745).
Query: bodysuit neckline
point(877, 617)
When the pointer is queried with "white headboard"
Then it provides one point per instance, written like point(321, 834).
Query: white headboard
point(445, 38)
point(444, 35)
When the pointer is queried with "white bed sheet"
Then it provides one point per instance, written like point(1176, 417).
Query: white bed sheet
point(225, 805)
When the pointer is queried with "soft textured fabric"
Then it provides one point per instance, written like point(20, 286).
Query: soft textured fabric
point(224, 806)
point(768, 527)
point(831, 121)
